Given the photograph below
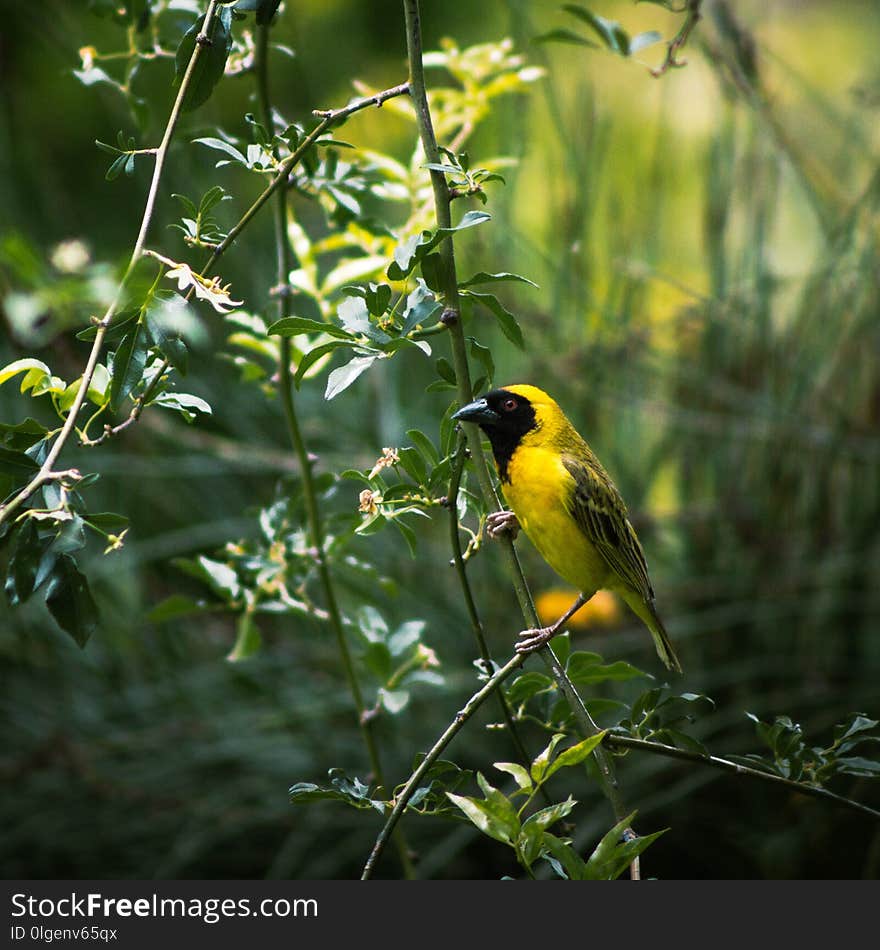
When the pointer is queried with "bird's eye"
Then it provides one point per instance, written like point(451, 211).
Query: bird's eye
point(509, 405)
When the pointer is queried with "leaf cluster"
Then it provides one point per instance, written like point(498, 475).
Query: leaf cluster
point(503, 817)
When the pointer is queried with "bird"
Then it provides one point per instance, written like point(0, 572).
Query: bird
point(567, 505)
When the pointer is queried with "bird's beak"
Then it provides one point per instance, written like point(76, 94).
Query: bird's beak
point(477, 411)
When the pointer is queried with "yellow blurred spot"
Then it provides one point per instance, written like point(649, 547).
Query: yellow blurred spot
point(602, 610)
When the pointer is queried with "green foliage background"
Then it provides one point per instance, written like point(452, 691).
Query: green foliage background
point(706, 248)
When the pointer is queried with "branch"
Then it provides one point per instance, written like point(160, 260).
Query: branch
point(402, 800)
point(46, 473)
point(284, 169)
point(658, 748)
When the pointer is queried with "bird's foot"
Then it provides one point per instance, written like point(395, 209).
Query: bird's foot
point(499, 523)
point(534, 639)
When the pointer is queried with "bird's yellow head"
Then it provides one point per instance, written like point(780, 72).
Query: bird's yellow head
point(515, 415)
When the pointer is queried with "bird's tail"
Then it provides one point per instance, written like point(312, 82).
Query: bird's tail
point(648, 614)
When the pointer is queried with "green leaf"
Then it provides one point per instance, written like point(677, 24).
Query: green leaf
point(371, 624)
point(583, 669)
point(565, 860)
point(642, 40)
point(469, 219)
point(109, 149)
point(563, 35)
point(610, 32)
point(424, 445)
point(492, 818)
point(406, 636)
point(211, 61)
point(483, 278)
point(185, 403)
point(377, 659)
point(529, 844)
point(378, 297)
point(483, 355)
point(35, 369)
point(342, 377)
point(575, 755)
point(612, 855)
point(541, 762)
point(858, 765)
point(645, 703)
point(315, 353)
point(418, 246)
point(17, 463)
point(176, 606)
point(684, 741)
point(116, 329)
point(413, 464)
point(22, 435)
point(355, 318)
point(247, 639)
point(520, 775)
point(351, 791)
point(527, 685)
point(28, 549)
point(129, 363)
point(421, 305)
point(166, 317)
point(266, 10)
point(108, 521)
point(432, 272)
point(117, 167)
point(294, 326)
point(172, 349)
point(393, 700)
point(219, 576)
point(70, 601)
point(547, 817)
point(70, 537)
point(220, 145)
point(858, 722)
point(445, 370)
point(408, 534)
point(505, 318)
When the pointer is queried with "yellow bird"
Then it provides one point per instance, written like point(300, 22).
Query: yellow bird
point(567, 505)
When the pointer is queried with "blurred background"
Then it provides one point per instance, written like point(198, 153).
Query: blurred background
point(706, 246)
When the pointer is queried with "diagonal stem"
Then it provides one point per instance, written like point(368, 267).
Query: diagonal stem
point(457, 724)
point(615, 741)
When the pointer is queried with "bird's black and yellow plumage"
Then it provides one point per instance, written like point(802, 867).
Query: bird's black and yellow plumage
point(566, 503)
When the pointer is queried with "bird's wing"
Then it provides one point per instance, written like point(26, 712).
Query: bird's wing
point(596, 506)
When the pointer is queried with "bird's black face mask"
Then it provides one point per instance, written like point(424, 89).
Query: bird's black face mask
point(505, 417)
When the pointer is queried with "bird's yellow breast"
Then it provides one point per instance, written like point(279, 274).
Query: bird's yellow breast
point(538, 489)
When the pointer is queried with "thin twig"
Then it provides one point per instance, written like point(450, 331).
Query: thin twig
point(402, 800)
point(46, 473)
point(284, 169)
point(613, 740)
